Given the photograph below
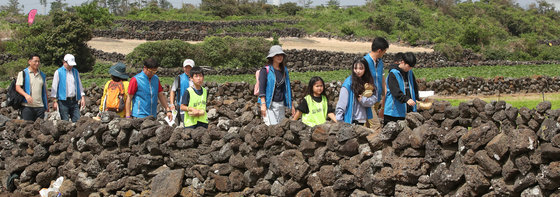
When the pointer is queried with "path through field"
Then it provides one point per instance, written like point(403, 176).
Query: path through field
point(126, 46)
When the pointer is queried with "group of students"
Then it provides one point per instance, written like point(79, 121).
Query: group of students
point(366, 95)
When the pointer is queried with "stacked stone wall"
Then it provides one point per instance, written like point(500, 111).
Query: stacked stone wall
point(475, 149)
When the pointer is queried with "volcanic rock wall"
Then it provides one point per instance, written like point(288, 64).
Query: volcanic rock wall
point(476, 149)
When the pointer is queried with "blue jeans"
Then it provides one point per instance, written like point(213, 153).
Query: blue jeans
point(32, 113)
point(67, 108)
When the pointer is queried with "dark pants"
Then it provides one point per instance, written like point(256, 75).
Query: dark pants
point(69, 109)
point(387, 119)
point(198, 124)
point(32, 113)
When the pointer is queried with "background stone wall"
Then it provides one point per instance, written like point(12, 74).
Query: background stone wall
point(476, 149)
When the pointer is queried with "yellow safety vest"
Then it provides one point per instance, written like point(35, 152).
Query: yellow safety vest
point(317, 111)
point(198, 102)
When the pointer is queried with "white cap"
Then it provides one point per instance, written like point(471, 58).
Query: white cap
point(188, 62)
point(69, 58)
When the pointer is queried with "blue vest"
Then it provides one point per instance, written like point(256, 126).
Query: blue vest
point(377, 74)
point(184, 80)
point(62, 83)
point(27, 88)
point(393, 107)
point(350, 106)
point(270, 87)
point(145, 101)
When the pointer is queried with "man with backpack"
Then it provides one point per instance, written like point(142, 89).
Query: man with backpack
point(67, 90)
point(115, 91)
point(31, 84)
point(180, 85)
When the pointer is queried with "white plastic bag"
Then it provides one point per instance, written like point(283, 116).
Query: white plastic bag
point(54, 187)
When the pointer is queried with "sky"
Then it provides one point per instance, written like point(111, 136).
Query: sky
point(34, 4)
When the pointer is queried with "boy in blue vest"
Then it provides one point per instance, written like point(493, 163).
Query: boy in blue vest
point(194, 101)
point(378, 48)
point(31, 84)
point(144, 90)
point(67, 90)
point(180, 85)
point(402, 89)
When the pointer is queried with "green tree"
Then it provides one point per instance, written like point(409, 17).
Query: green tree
point(333, 3)
point(221, 8)
point(12, 7)
point(44, 4)
point(94, 15)
point(290, 8)
point(58, 5)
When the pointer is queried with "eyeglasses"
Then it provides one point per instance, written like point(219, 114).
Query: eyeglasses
point(154, 70)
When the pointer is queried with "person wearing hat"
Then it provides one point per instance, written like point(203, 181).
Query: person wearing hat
point(275, 92)
point(180, 85)
point(67, 90)
point(119, 85)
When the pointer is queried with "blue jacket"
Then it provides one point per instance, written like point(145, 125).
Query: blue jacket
point(377, 74)
point(270, 87)
point(393, 107)
point(349, 107)
point(27, 89)
point(61, 94)
point(145, 101)
point(184, 80)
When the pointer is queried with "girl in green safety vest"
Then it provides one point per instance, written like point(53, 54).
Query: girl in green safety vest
point(314, 106)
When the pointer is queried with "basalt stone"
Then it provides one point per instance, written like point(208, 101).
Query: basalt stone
point(522, 140)
point(380, 183)
point(498, 146)
point(345, 133)
point(403, 190)
point(548, 177)
point(446, 179)
point(548, 129)
point(39, 153)
point(402, 141)
point(167, 183)
point(475, 179)
point(452, 112)
point(414, 119)
point(487, 165)
point(349, 148)
point(524, 181)
point(543, 106)
point(290, 163)
point(511, 113)
point(477, 137)
point(433, 152)
point(451, 136)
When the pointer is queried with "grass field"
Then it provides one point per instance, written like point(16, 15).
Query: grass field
point(517, 100)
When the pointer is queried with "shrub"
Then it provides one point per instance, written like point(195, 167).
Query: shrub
point(11, 69)
point(94, 15)
point(218, 52)
point(452, 51)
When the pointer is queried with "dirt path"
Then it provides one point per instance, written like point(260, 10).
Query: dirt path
point(126, 46)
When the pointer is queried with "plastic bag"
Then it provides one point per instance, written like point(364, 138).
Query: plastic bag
point(54, 187)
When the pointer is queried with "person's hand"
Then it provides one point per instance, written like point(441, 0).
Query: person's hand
point(29, 99)
point(380, 113)
point(263, 110)
point(410, 102)
point(55, 105)
point(169, 115)
point(83, 102)
point(293, 111)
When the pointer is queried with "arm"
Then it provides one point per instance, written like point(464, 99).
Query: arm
point(128, 105)
point(297, 115)
point(395, 90)
point(332, 117)
point(102, 104)
point(341, 104)
point(163, 101)
point(54, 89)
point(172, 94)
point(368, 101)
point(83, 100)
point(19, 84)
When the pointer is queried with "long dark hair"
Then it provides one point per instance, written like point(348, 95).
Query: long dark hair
point(117, 79)
point(271, 60)
point(312, 82)
point(358, 82)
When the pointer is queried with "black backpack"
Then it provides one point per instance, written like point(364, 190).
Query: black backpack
point(14, 98)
